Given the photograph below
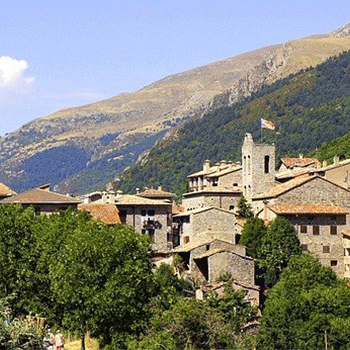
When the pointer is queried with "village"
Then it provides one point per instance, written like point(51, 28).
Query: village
point(205, 229)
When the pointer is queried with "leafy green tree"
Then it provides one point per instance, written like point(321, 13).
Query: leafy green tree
point(279, 244)
point(307, 309)
point(16, 259)
point(214, 323)
point(252, 236)
point(244, 208)
point(103, 277)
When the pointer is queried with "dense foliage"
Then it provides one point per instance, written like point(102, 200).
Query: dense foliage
point(309, 109)
point(214, 323)
point(74, 272)
point(307, 309)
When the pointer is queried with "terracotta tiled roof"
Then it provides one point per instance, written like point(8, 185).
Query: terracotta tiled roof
point(286, 186)
point(37, 195)
point(299, 162)
point(156, 193)
point(205, 239)
point(107, 213)
point(6, 191)
point(306, 209)
point(130, 199)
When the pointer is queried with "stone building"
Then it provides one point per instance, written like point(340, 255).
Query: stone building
point(226, 175)
point(258, 162)
point(193, 225)
point(149, 216)
point(287, 163)
point(208, 258)
point(43, 200)
point(338, 172)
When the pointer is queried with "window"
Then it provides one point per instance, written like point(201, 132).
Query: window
point(248, 165)
point(303, 229)
point(304, 247)
point(186, 239)
point(207, 247)
point(143, 212)
point(237, 238)
point(333, 230)
point(266, 164)
point(186, 219)
point(333, 217)
point(235, 184)
point(326, 249)
point(334, 262)
point(151, 212)
point(232, 207)
point(316, 230)
point(215, 181)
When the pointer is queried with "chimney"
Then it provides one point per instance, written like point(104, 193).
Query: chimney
point(301, 156)
point(222, 164)
point(206, 165)
point(160, 188)
point(324, 163)
point(336, 160)
point(104, 197)
point(137, 190)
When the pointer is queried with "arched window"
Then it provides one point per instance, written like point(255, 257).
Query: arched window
point(248, 165)
point(266, 164)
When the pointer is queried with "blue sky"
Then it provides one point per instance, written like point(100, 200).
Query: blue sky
point(56, 54)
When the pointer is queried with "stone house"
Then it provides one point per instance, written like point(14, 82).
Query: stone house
point(319, 228)
point(43, 200)
point(287, 163)
point(226, 175)
point(207, 259)
point(193, 225)
point(338, 172)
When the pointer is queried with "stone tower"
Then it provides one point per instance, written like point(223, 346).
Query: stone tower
point(258, 167)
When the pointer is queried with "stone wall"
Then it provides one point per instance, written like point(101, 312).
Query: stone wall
point(316, 191)
point(241, 268)
point(326, 246)
point(213, 220)
point(199, 200)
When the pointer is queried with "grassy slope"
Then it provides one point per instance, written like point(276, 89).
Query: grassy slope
point(310, 108)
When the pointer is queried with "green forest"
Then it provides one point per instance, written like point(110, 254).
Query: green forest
point(311, 110)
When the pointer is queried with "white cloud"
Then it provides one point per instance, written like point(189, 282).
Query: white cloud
point(12, 75)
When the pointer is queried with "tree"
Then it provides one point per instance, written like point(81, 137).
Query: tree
point(103, 277)
point(253, 233)
point(279, 244)
point(306, 309)
point(244, 209)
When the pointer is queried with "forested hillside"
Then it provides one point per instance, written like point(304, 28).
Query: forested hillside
point(310, 108)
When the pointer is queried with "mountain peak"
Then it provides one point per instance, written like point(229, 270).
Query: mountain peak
point(341, 32)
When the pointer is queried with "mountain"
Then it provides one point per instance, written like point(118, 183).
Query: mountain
point(311, 110)
point(79, 149)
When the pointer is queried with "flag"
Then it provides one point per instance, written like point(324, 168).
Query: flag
point(267, 124)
